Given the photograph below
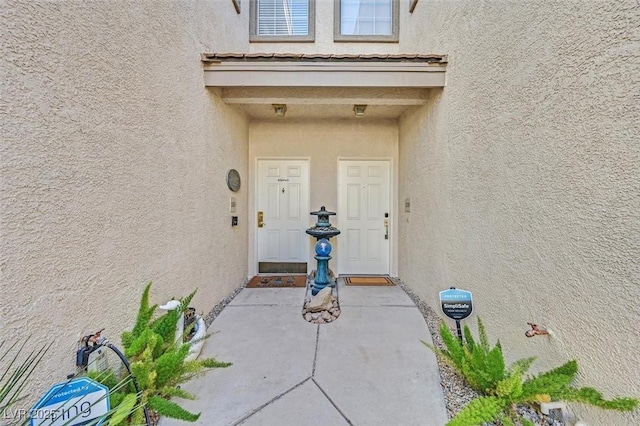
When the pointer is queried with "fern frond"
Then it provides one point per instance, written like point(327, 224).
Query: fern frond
point(176, 392)
point(482, 334)
point(186, 301)
point(506, 420)
point(171, 409)
point(146, 339)
point(510, 387)
point(523, 364)
point(170, 365)
point(123, 410)
point(593, 397)
point(165, 325)
point(213, 363)
point(469, 342)
point(555, 382)
point(495, 366)
point(454, 348)
point(482, 410)
point(145, 313)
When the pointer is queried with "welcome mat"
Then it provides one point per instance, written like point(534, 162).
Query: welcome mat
point(274, 281)
point(369, 281)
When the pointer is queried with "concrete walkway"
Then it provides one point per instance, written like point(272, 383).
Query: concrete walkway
point(367, 368)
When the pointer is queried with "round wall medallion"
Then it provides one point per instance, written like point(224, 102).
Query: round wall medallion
point(233, 180)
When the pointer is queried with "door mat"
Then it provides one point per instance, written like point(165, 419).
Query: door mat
point(369, 281)
point(275, 281)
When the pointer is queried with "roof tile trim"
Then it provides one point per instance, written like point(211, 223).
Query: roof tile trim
point(316, 57)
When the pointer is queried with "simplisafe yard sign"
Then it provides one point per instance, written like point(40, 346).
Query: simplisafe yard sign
point(456, 304)
point(73, 403)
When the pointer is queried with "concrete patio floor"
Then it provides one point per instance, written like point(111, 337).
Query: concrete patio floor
point(367, 368)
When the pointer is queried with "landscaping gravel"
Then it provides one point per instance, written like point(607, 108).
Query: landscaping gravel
point(213, 313)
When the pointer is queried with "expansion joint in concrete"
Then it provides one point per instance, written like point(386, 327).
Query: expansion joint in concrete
point(271, 401)
point(378, 306)
point(326, 395)
point(315, 355)
point(252, 305)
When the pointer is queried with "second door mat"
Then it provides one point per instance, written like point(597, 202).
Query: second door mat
point(369, 281)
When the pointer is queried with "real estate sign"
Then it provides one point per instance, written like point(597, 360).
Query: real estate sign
point(76, 402)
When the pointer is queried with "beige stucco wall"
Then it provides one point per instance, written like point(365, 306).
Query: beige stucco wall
point(112, 161)
point(524, 179)
point(523, 172)
point(323, 143)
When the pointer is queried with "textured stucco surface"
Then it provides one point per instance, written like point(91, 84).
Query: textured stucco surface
point(323, 143)
point(522, 172)
point(112, 165)
point(524, 179)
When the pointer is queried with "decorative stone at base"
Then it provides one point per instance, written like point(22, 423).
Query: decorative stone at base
point(321, 301)
point(322, 308)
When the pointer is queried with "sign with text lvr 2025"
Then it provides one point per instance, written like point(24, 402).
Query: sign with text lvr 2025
point(77, 402)
point(456, 304)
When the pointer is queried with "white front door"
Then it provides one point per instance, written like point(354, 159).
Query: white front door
point(283, 203)
point(363, 216)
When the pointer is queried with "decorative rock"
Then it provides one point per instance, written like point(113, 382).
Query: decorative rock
point(321, 301)
point(322, 308)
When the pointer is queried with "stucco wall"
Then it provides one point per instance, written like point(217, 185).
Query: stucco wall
point(524, 179)
point(323, 143)
point(112, 164)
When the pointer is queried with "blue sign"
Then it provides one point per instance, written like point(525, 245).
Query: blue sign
point(73, 403)
point(456, 304)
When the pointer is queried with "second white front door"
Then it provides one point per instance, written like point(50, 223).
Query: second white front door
point(363, 216)
point(283, 215)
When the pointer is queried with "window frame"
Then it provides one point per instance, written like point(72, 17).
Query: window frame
point(394, 37)
point(254, 37)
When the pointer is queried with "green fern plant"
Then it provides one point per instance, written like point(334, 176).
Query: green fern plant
point(502, 389)
point(158, 362)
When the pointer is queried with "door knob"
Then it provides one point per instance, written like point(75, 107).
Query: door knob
point(260, 220)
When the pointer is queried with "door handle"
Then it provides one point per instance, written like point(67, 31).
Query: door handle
point(260, 220)
point(386, 226)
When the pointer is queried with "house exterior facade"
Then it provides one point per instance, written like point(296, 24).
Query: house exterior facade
point(516, 177)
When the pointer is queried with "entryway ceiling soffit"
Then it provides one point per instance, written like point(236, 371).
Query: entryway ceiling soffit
point(317, 82)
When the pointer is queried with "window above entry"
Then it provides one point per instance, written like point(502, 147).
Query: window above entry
point(275, 21)
point(366, 20)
